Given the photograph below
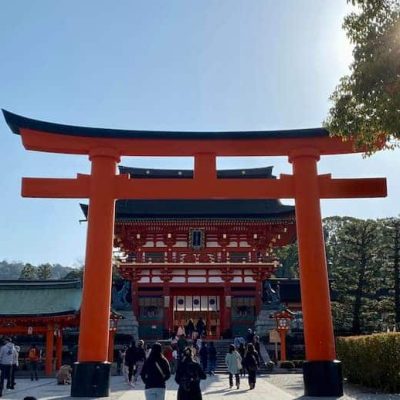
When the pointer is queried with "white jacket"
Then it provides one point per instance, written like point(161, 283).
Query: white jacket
point(8, 354)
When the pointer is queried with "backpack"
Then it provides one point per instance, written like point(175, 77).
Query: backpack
point(189, 377)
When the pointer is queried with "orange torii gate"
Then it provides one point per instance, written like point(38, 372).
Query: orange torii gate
point(322, 373)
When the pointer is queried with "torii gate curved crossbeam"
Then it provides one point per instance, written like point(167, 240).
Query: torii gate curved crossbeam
point(322, 373)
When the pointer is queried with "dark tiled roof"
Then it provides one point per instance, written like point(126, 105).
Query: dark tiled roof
point(16, 122)
point(39, 298)
point(195, 209)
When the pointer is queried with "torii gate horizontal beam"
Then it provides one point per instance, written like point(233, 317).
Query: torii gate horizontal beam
point(126, 188)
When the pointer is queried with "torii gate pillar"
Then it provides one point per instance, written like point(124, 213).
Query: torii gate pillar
point(93, 353)
point(321, 372)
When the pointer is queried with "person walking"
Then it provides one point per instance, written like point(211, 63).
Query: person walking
point(7, 357)
point(257, 347)
point(242, 351)
point(201, 327)
point(188, 376)
point(174, 362)
point(203, 353)
point(249, 336)
point(233, 362)
point(120, 360)
point(34, 358)
point(251, 362)
point(190, 329)
point(15, 365)
point(140, 358)
point(212, 358)
point(182, 344)
point(155, 373)
point(130, 360)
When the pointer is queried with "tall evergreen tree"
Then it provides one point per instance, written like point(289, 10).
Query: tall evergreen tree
point(391, 232)
point(354, 254)
point(29, 272)
point(44, 271)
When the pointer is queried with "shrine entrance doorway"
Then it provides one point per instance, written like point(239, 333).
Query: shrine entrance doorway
point(198, 305)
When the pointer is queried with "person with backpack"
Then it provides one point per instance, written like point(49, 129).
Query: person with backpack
point(188, 376)
point(155, 373)
point(34, 358)
point(251, 362)
point(233, 362)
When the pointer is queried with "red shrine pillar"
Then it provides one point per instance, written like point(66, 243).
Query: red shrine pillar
point(49, 350)
point(282, 335)
point(258, 299)
point(59, 348)
point(135, 296)
point(167, 306)
point(322, 373)
point(227, 309)
point(93, 362)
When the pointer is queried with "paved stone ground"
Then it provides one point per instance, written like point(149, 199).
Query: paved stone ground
point(272, 387)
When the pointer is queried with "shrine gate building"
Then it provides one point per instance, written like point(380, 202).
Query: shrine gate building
point(188, 259)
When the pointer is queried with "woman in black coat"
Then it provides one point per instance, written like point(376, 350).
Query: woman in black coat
point(252, 362)
point(188, 376)
point(155, 372)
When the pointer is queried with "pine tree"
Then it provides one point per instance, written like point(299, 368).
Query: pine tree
point(29, 272)
point(44, 271)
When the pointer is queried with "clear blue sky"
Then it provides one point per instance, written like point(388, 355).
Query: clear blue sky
point(156, 64)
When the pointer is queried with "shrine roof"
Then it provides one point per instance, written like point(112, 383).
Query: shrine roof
point(195, 209)
point(18, 122)
point(39, 298)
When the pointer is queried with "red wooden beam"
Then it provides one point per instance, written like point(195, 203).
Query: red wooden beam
point(77, 188)
point(351, 188)
point(204, 189)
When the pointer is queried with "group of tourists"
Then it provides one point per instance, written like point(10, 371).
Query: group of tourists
point(9, 363)
point(190, 363)
point(193, 331)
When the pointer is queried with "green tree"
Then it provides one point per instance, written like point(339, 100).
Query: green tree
point(29, 272)
point(354, 251)
point(391, 232)
point(44, 271)
point(289, 259)
point(366, 103)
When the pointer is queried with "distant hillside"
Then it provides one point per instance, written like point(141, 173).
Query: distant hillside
point(18, 270)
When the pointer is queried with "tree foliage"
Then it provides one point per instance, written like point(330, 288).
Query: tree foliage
point(366, 103)
point(28, 272)
point(44, 271)
point(363, 261)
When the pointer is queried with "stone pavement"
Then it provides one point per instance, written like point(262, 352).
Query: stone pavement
point(272, 387)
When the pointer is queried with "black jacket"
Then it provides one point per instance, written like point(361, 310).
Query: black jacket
point(189, 368)
point(151, 374)
point(130, 356)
